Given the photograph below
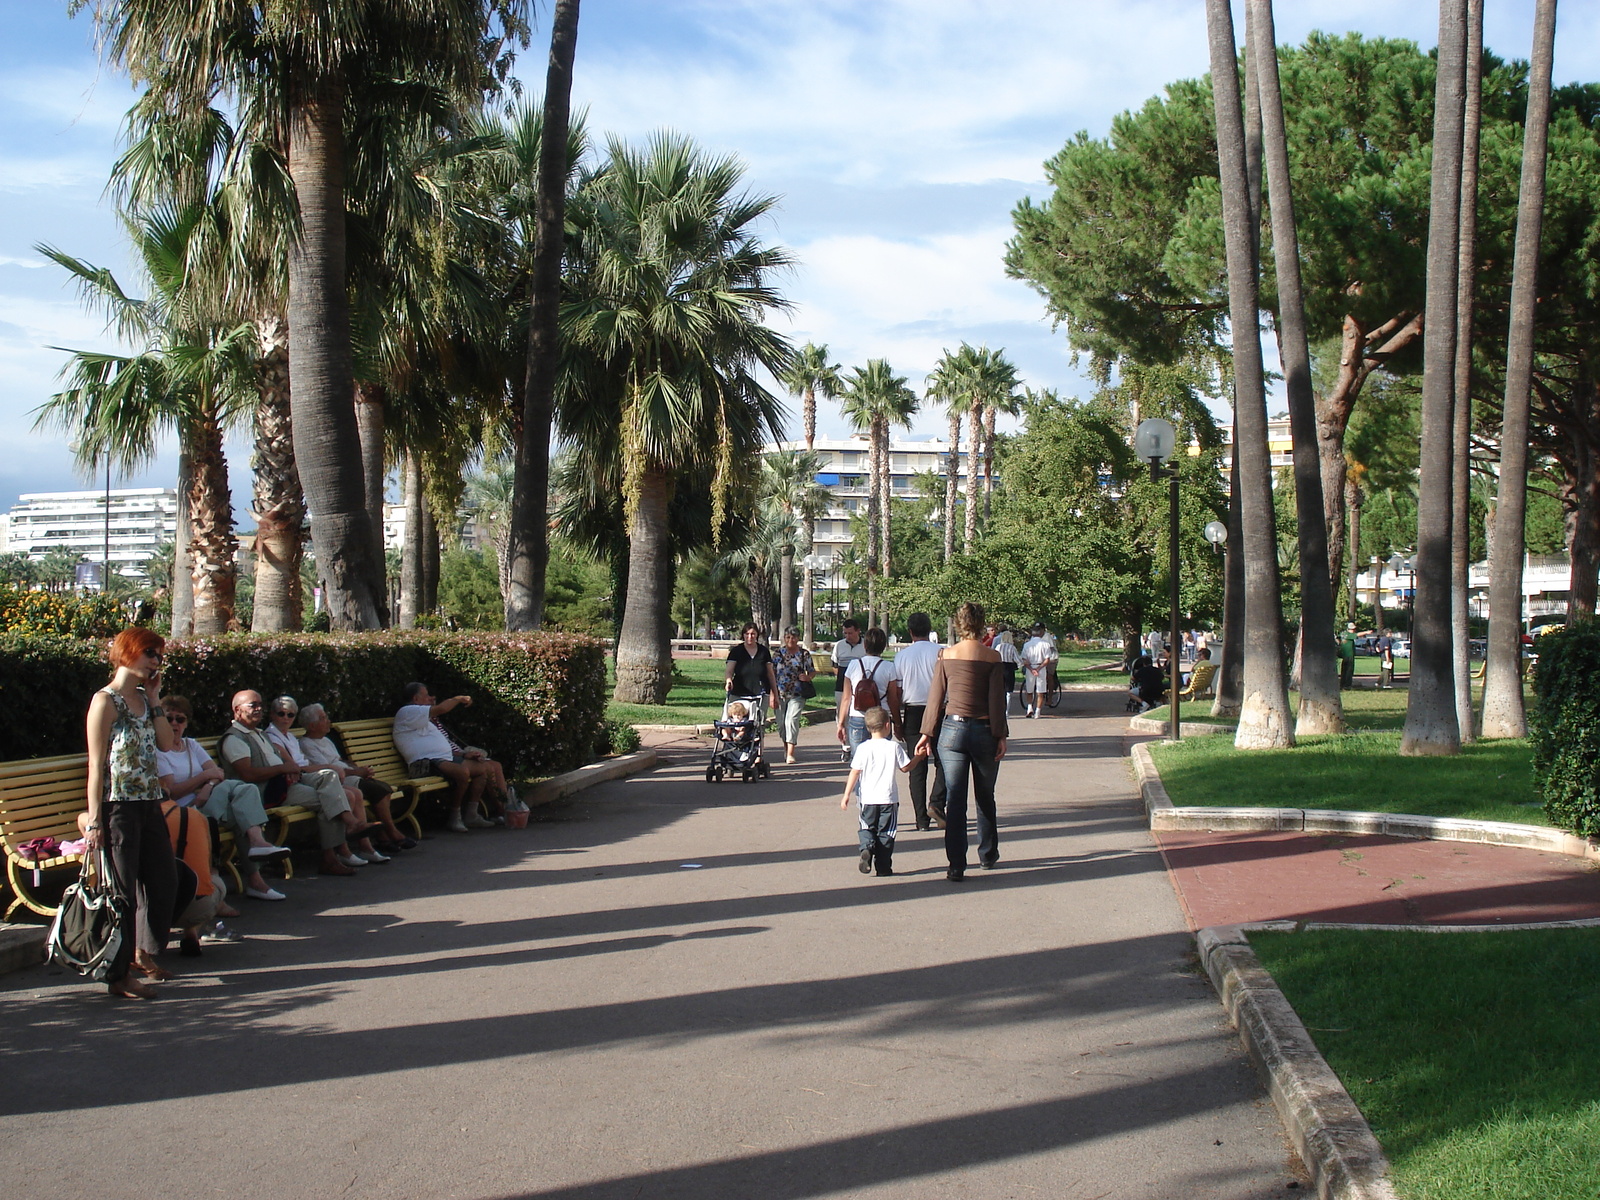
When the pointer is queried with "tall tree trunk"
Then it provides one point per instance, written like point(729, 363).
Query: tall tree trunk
point(325, 437)
point(280, 504)
point(182, 566)
point(1503, 712)
point(808, 524)
point(885, 517)
point(430, 556)
point(974, 448)
point(530, 542)
point(1264, 713)
point(811, 417)
point(1582, 494)
point(213, 550)
point(1430, 726)
point(951, 471)
point(411, 546)
point(644, 656)
point(370, 399)
point(988, 461)
point(1230, 677)
point(1320, 708)
point(1461, 431)
point(786, 589)
point(1354, 499)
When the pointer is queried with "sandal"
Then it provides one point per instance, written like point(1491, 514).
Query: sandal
point(131, 989)
point(154, 972)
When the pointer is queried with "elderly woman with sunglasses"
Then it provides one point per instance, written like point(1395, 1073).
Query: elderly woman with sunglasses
point(280, 717)
point(190, 777)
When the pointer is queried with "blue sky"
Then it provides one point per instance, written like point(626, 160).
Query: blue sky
point(899, 134)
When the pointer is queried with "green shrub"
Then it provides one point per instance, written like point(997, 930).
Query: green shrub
point(1565, 727)
point(539, 698)
point(617, 737)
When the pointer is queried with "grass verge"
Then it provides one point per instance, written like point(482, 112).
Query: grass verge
point(1467, 1053)
point(1487, 781)
point(696, 697)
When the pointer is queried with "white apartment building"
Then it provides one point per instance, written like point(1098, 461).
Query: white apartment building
point(473, 536)
point(140, 519)
point(844, 472)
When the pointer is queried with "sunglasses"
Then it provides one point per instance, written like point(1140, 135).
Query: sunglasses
point(282, 712)
point(177, 719)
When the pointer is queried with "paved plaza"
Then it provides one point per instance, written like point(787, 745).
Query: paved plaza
point(674, 989)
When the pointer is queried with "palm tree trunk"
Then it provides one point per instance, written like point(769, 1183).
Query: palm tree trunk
point(1461, 431)
point(1503, 712)
point(370, 399)
point(974, 447)
point(644, 657)
point(786, 589)
point(411, 550)
point(280, 505)
point(952, 469)
point(1430, 727)
point(988, 460)
point(1230, 676)
point(872, 521)
point(182, 565)
point(1320, 708)
point(1584, 498)
point(530, 542)
point(811, 417)
point(326, 441)
point(1264, 714)
point(885, 516)
point(213, 550)
point(430, 554)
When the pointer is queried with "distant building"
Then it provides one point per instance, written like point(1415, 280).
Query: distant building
point(140, 520)
point(472, 534)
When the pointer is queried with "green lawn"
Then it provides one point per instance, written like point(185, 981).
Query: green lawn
point(1467, 1053)
point(1489, 781)
point(696, 699)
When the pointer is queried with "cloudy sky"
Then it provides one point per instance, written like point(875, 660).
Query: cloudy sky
point(899, 134)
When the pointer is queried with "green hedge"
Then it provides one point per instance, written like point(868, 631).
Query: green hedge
point(539, 698)
point(1565, 727)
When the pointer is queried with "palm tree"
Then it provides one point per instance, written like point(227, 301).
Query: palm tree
point(1264, 719)
point(899, 406)
point(1431, 726)
point(671, 284)
point(812, 375)
point(528, 543)
point(950, 385)
point(1320, 708)
point(1002, 398)
point(490, 493)
point(1503, 713)
point(875, 399)
point(992, 382)
point(192, 374)
point(306, 62)
point(789, 487)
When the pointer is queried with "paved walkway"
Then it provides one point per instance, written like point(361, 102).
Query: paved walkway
point(671, 989)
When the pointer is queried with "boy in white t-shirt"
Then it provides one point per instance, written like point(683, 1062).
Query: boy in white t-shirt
point(873, 766)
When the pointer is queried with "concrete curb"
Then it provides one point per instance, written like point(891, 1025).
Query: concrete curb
point(1165, 815)
point(21, 946)
point(1333, 1138)
point(1190, 728)
point(587, 776)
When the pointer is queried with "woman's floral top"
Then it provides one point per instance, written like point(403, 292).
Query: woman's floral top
point(789, 665)
point(132, 766)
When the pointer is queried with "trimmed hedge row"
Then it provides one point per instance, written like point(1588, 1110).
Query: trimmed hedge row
point(538, 698)
point(1564, 727)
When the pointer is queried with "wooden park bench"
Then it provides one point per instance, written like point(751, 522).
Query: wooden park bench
point(371, 744)
point(42, 797)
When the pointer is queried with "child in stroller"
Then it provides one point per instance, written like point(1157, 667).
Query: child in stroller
point(737, 747)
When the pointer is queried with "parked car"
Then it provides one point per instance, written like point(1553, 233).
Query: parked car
point(1402, 647)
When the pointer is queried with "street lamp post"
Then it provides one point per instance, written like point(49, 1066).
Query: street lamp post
point(1154, 441)
point(812, 563)
point(1402, 565)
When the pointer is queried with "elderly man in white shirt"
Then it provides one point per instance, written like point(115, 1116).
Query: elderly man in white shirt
point(914, 663)
point(1037, 655)
point(427, 750)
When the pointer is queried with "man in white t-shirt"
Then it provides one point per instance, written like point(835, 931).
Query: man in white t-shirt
point(881, 672)
point(913, 666)
point(426, 749)
point(1036, 655)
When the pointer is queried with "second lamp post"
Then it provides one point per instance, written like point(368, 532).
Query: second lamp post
point(1154, 441)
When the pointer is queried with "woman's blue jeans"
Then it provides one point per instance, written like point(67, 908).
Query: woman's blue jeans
point(964, 746)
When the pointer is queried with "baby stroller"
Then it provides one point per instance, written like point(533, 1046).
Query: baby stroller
point(737, 745)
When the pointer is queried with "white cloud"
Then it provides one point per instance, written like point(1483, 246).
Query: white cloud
point(60, 97)
point(20, 173)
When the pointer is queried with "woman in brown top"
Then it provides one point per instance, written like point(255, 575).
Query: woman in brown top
point(969, 691)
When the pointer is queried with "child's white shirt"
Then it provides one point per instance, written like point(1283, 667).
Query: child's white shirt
point(878, 759)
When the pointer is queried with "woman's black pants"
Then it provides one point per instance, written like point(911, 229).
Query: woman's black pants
point(141, 859)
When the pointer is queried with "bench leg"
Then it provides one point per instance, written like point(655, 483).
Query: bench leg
point(21, 880)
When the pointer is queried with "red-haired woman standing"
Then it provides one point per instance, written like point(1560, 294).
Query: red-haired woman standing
point(126, 727)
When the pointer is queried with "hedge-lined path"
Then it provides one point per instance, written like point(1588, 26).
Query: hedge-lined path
point(1235, 878)
point(674, 989)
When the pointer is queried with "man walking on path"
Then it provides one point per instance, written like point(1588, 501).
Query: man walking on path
point(1036, 656)
point(914, 664)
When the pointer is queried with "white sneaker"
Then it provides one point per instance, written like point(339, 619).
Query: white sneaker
point(269, 894)
point(372, 856)
point(351, 860)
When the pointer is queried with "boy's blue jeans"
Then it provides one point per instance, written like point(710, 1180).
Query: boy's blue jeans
point(879, 824)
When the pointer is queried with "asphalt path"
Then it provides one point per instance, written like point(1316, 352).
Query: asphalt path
point(675, 989)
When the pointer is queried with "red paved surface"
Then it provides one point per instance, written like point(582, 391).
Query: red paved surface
point(1226, 878)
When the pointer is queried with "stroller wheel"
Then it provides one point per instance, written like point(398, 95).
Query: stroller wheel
point(747, 774)
point(711, 774)
point(764, 770)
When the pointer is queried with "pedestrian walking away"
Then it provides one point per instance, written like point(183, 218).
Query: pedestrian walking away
point(914, 665)
point(872, 769)
point(1037, 653)
point(968, 689)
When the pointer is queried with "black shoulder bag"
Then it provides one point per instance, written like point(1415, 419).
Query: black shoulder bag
point(90, 927)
